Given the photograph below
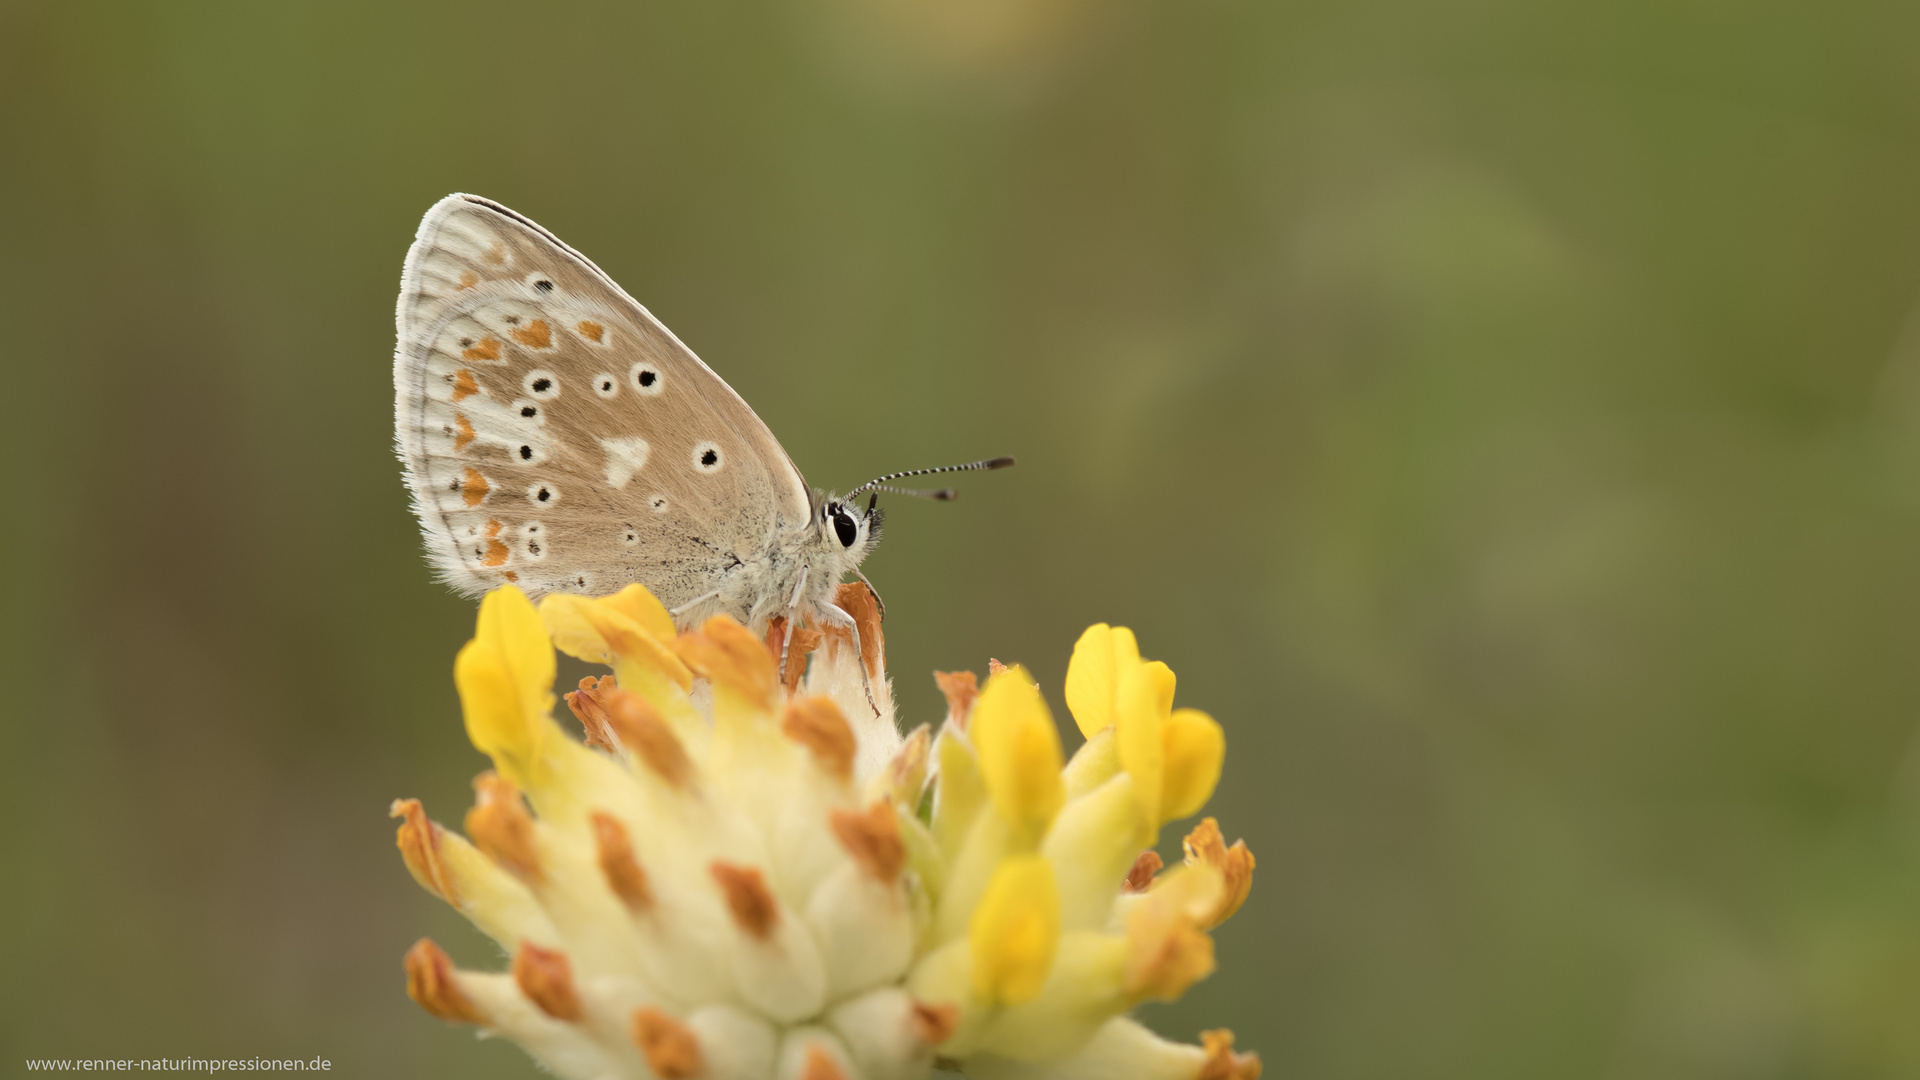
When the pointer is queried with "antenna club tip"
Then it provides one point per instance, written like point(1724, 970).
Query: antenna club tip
point(1000, 462)
point(946, 494)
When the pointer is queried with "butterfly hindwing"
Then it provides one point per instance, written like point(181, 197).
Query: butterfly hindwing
point(556, 435)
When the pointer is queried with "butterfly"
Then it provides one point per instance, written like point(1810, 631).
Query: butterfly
point(557, 437)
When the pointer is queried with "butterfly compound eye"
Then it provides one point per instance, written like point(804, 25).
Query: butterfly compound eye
point(845, 529)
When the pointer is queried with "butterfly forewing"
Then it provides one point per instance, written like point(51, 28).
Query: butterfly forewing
point(556, 435)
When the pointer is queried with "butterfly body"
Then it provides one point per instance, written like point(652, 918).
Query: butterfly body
point(557, 437)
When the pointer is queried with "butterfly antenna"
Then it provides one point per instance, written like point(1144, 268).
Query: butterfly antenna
point(880, 483)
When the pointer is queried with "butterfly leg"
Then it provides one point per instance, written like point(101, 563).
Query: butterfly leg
point(876, 593)
point(834, 614)
point(691, 604)
point(793, 613)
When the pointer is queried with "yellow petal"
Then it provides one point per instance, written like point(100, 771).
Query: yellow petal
point(636, 603)
point(1194, 749)
point(1100, 657)
point(1015, 931)
point(1093, 764)
point(510, 624)
point(496, 711)
point(1019, 752)
point(960, 793)
point(1141, 708)
point(601, 632)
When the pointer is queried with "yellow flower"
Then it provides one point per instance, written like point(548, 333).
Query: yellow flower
point(740, 877)
point(1174, 755)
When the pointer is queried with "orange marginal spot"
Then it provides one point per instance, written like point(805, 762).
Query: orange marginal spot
point(464, 386)
point(430, 982)
point(640, 728)
point(754, 909)
point(474, 488)
point(468, 279)
point(617, 864)
point(1222, 1063)
point(419, 843)
point(496, 551)
point(817, 724)
point(462, 431)
point(821, 1066)
point(495, 255)
point(488, 349)
point(960, 688)
point(873, 839)
point(671, 1047)
point(534, 335)
point(1141, 876)
point(805, 640)
point(546, 978)
point(1205, 844)
point(591, 330)
point(510, 575)
point(589, 706)
point(501, 827)
point(934, 1024)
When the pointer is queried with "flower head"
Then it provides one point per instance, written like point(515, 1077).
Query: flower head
point(746, 873)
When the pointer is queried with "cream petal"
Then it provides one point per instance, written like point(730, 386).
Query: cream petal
point(736, 1044)
point(885, 1033)
point(568, 1050)
point(1122, 1049)
point(1082, 992)
point(865, 930)
point(800, 1049)
point(1092, 845)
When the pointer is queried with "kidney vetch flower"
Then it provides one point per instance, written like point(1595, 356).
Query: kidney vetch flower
point(747, 873)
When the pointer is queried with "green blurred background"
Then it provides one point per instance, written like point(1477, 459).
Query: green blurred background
point(1505, 417)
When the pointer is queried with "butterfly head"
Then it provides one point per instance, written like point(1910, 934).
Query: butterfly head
point(850, 530)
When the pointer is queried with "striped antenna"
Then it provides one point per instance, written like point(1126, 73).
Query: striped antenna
point(880, 483)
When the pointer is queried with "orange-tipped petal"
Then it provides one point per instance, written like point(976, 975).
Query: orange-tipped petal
point(960, 688)
point(546, 978)
point(430, 983)
point(647, 735)
point(873, 839)
point(419, 843)
point(725, 654)
point(613, 849)
point(1222, 1063)
point(500, 826)
point(1205, 845)
point(934, 1024)
point(671, 1048)
point(817, 724)
point(588, 705)
point(1141, 876)
point(820, 1065)
point(754, 909)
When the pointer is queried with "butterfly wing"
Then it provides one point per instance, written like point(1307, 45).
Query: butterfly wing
point(556, 435)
